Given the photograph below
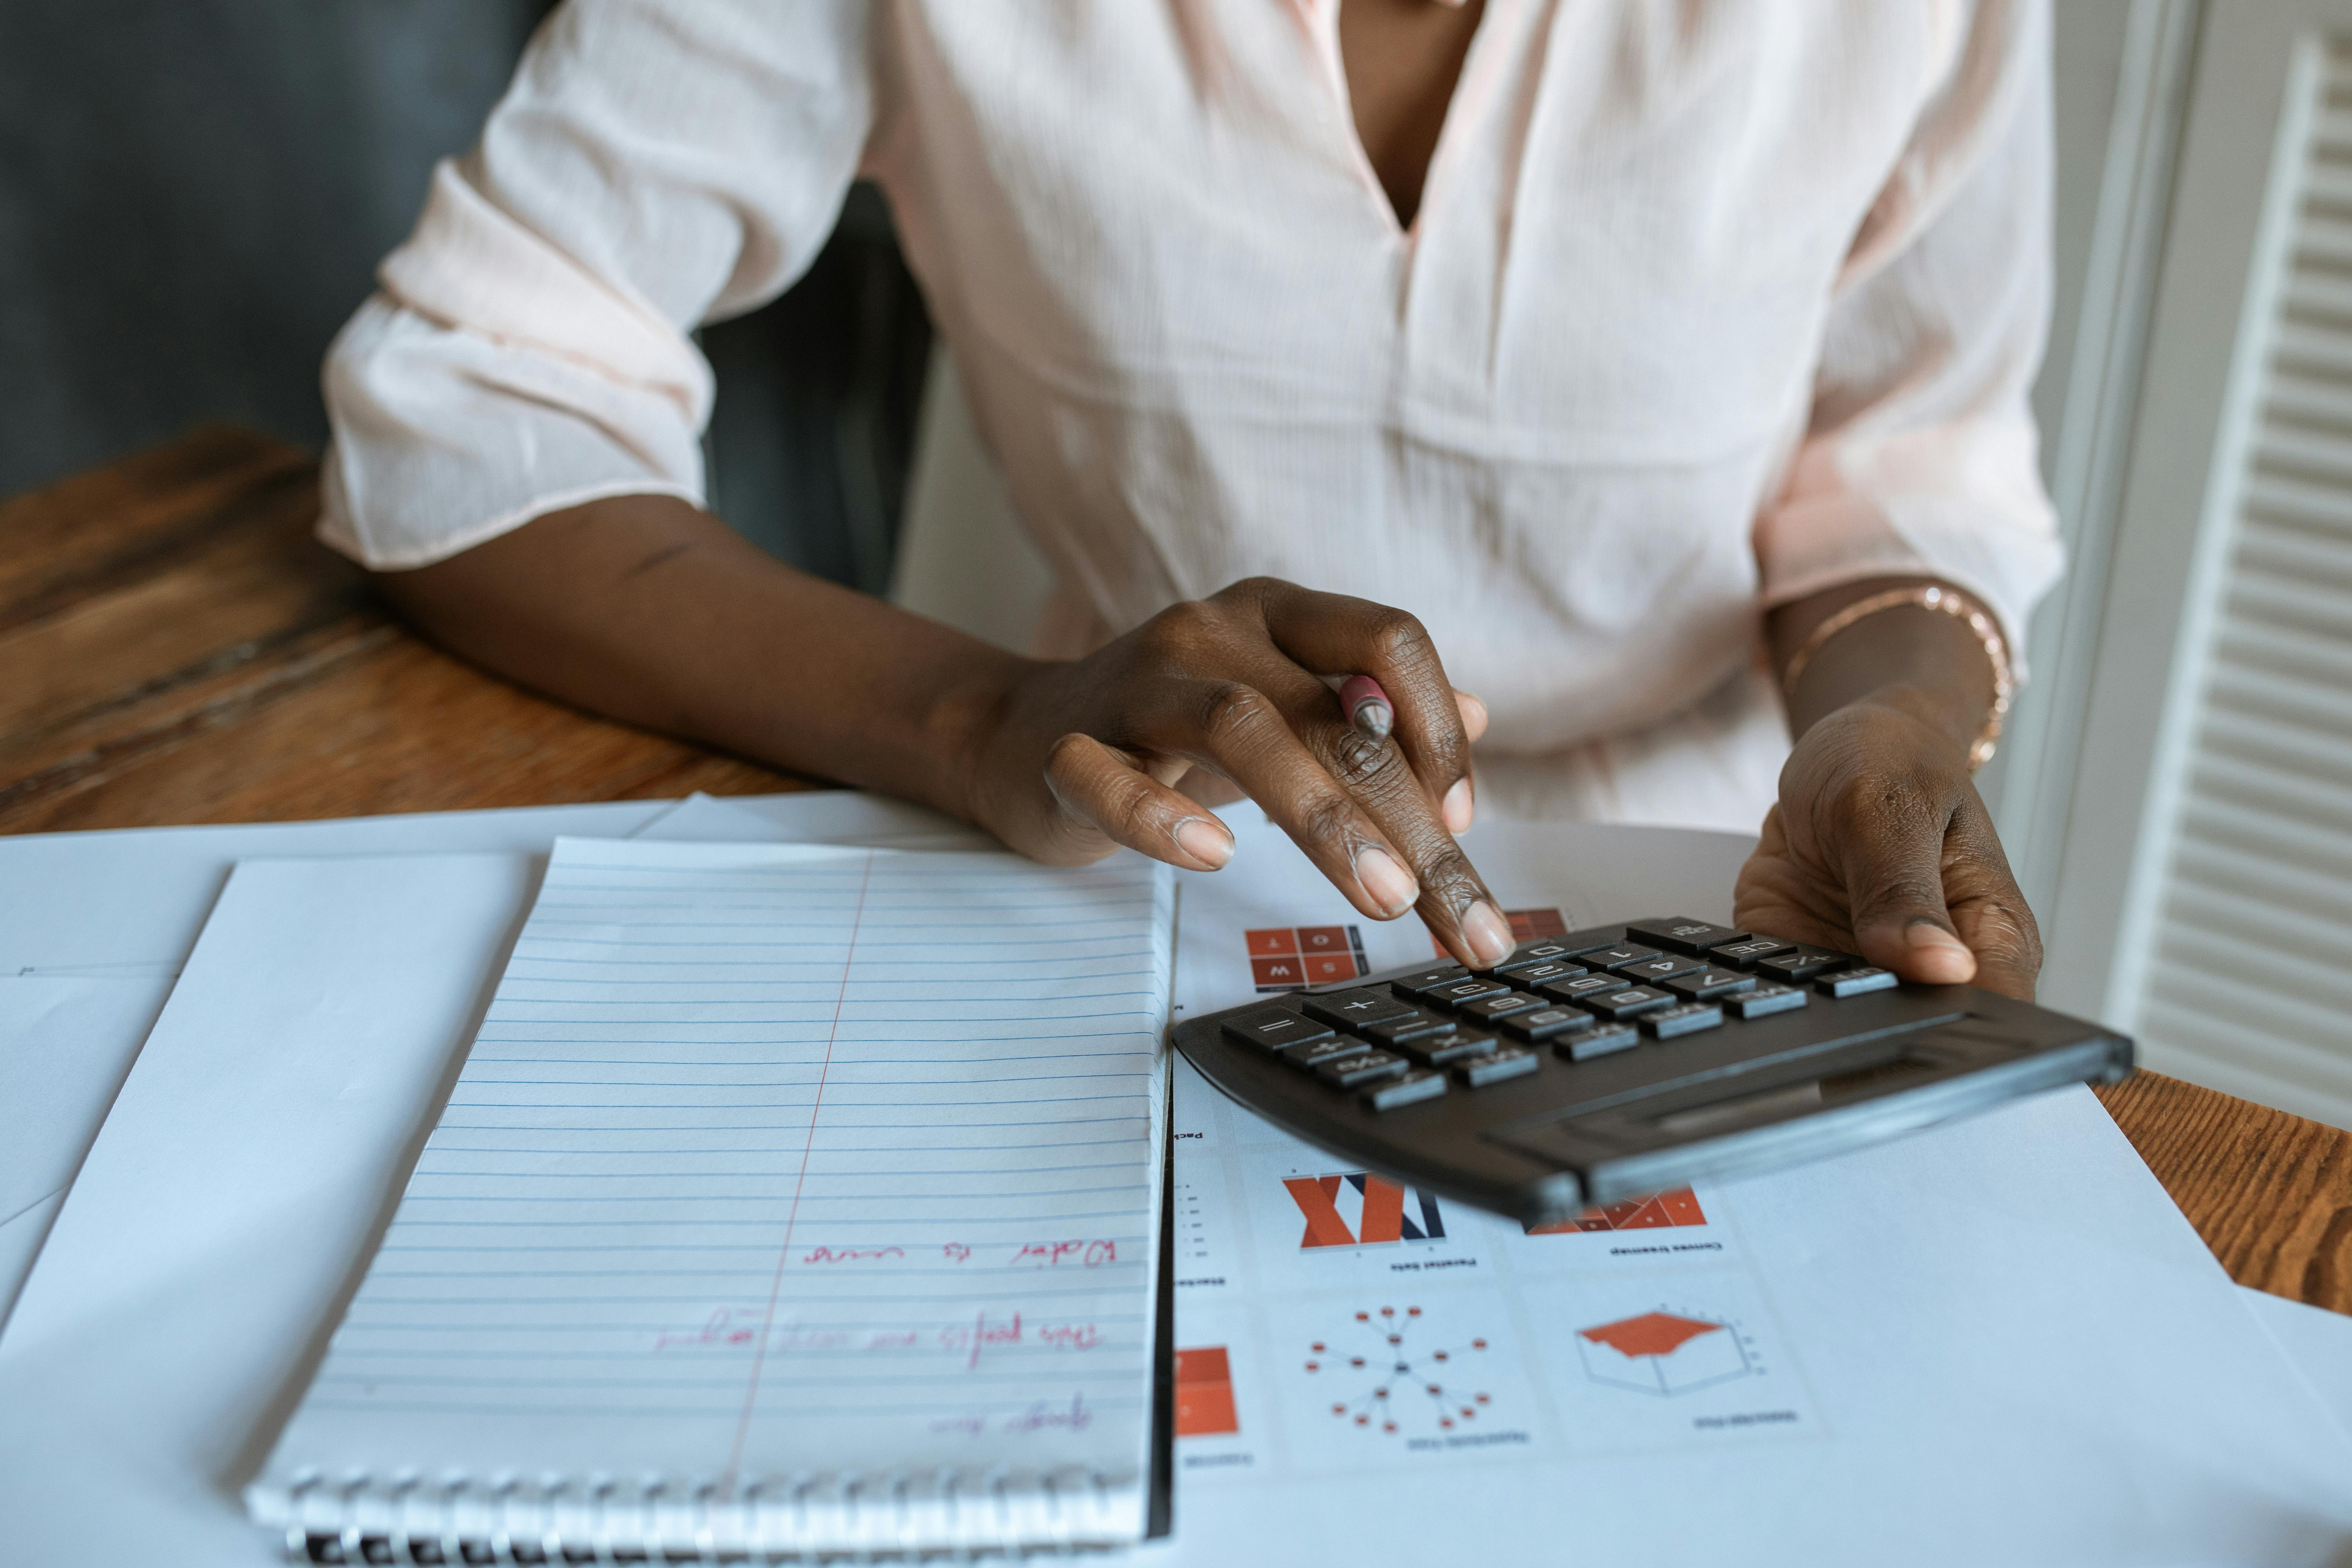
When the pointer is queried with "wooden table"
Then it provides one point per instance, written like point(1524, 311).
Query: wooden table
point(176, 648)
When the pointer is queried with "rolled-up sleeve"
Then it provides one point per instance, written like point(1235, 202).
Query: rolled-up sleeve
point(1920, 457)
point(653, 166)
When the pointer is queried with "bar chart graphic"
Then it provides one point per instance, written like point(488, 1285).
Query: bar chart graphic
point(1679, 1207)
point(1204, 1393)
point(1390, 1375)
point(1664, 1352)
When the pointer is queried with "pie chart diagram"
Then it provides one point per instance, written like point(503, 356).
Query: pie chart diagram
point(1662, 1353)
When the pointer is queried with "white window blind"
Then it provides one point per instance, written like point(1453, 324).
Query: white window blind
point(2246, 980)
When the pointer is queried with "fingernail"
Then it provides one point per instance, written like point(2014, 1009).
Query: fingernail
point(1385, 880)
point(1942, 957)
point(1204, 841)
point(1458, 806)
point(1488, 935)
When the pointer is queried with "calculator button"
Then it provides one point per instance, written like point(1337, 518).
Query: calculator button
point(1546, 1022)
point(1413, 1026)
point(1417, 987)
point(1469, 990)
point(1764, 1001)
point(1486, 1009)
point(1707, 984)
point(1616, 957)
point(1310, 1057)
point(1747, 953)
point(1537, 953)
point(1667, 1023)
point(1540, 972)
point(1679, 934)
point(1494, 1066)
point(1801, 963)
point(1409, 1089)
point(1854, 982)
point(1442, 1051)
point(1369, 1067)
point(1274, 1026)
point(1626, 1001)
point(1599, 1041)
point(1583, 985)
point(1659, 969)
point(1350, 1009)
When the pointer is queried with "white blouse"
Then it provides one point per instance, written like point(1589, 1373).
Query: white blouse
point(1708, 306)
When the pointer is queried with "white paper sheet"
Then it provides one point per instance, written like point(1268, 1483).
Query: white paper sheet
point(65, 1046)
point(229, 1196)
point(2319, 1343)
point(130, 901)
point(775, 1161)
point(1997, 1341)
point(122, 1416)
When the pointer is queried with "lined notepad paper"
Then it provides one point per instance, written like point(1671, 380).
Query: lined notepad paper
point(791, 1199)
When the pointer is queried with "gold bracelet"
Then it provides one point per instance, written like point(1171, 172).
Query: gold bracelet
point(1948, 601)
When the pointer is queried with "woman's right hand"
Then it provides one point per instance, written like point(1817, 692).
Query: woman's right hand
point(1073, 759)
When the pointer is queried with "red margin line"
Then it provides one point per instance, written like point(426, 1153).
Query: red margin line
point(792, 1217)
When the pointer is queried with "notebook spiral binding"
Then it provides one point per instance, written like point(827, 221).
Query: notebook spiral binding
point(444, 1523)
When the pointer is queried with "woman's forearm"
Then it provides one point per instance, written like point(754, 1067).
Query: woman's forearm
point(651, 610)
point(1926, 662)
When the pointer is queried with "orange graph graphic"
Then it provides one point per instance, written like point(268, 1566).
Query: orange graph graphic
point(1678, 1208)
point(1204, 1393)
point(1651, 1333)
point(1377, 1207)
point(1284, 958)
point(1396, 1383)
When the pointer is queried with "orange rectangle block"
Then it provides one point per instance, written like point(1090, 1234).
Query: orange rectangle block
point(1325, 967)
point(1272, 941)
point(1322, 939)
point(1279, 970)
point(1204, 1393)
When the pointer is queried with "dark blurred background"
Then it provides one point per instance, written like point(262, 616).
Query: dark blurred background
point(193, 195)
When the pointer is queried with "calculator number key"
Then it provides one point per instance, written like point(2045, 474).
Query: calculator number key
point(1487, 1009)
point(1659, 969)
point(1626, 1001)
point(1617, 957)
point(1470, 990)
point(1546, 1022)
point(1541, 973)
point(1582, 986)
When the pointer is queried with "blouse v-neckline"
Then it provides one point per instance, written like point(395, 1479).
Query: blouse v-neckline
point(1321, 18)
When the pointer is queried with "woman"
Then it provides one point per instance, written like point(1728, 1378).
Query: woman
point(1657, 365)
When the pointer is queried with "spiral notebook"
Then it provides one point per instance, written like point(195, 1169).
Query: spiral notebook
point(792, 1200)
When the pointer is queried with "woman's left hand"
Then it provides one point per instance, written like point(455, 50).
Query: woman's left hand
point(1880, 845)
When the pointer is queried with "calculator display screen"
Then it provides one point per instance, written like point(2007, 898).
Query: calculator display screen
point(1914, 1065)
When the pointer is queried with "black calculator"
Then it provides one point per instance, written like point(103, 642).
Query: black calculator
point(1629, 1059)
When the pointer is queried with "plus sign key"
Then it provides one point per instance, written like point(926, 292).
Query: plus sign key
point(1354, 1008)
